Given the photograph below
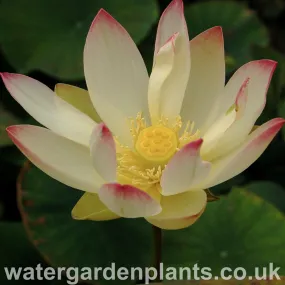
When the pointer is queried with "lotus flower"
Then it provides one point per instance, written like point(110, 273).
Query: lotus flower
point(154, 144)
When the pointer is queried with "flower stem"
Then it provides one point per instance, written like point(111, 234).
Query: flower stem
point(157, 233)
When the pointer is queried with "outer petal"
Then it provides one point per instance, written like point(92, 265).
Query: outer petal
point(128, 201)
point(89, 207)
point(62, 159)
point(169, 78)
point(243, 156)
point(259, 73)
point(207, 76)
point(103, 152)
point(249, 99)
point(180, 208)
point(214, 135)
point(175, 224)
point(185, 170)
point(48, 109)
point(171, 21)
point(78, 98)
point(116, 75)
point(238, 127)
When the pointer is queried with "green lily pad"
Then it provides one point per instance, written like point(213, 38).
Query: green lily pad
point(239, 230)
point(6, 120)
point(47, 204)
point(17, 251)
point(270, 191)
point(240, 25)
point(49, 35)
point(281, 113)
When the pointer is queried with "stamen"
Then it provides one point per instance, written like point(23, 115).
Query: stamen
point(137, 125)
point(153, 148)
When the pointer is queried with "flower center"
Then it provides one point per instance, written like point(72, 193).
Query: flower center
point(142, 165)
point(156, 144)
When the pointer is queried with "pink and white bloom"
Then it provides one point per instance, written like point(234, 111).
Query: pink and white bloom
point(154, 142)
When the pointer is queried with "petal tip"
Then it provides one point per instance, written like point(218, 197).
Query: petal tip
point(5, 76)
point(214, 34)
point(273, 128)
point(195, 145)
point(268, 64)
point(104, 131)
point(278, 123)
point(12, 130)
point(217, 32)
point(175, 4)
point(103, 16)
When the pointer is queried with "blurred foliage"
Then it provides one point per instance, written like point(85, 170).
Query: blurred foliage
point(53, 33)
point(13, 236)
point(45, 40)
point(49, 222)
point(241, 27)
point(6, 120)
point(245, 241)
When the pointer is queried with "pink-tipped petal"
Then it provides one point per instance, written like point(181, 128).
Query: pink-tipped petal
point(230, 129)
point(169, 78)
point(116, 75)
point(180, 211)
point(171, 21)
point(214, 134)
point(243, 156)
point(48, 109)
point(103, 152)
point(259, 73)
point(253, 80)
point(128, 201)
point(241, 99)
point(185, 170)
point(250, 101)
point(60, 158)
point(207, 77)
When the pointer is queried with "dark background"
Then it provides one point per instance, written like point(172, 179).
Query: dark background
point(252, 30)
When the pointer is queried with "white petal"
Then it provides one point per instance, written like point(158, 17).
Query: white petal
point(215, 133)
point(116, 75)
point(243, 156)
point(62, 159)
point(259, 73)
point(171, 21)
point(207, 76)
point(238, 127)
point(128, 201)
point(48, 109)
point(169, 78)
point(103, 152)
point(250, 84)
point(185, 170)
